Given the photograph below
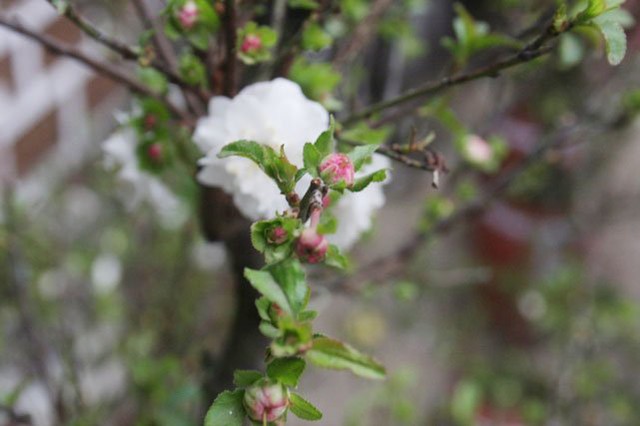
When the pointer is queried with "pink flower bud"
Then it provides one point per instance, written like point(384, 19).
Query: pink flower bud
point(478, 150)
point(251, 43)
point(336, 168)
point(311, 246)
point(154, 151)
point(277, 235)
point(188, 15)
point(266, 400)
point(150, 121)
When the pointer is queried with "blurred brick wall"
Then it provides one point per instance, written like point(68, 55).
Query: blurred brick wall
point(52, 109)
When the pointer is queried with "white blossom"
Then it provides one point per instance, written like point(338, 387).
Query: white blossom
point(139, 186)
point(274, 113)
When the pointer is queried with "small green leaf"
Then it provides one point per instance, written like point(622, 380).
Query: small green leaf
point(363, 182)
point(263, 304)
point(615, 40)
point(312, 159)
point(333, 354)
point(303, 4)
point(290, 277)
point(248, 149)
point(336, 259)
point(315, 38)
point(307, 315)
point(244, 378)
point(326, 144)
point(286, 370)
point(361, 154)
point(267, 329)
point(226, 410)
point(264, 282)
point(303, 408)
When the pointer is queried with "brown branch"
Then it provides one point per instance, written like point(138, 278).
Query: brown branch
point(363, 33)
point(230, 27)
point(98, 66)
point(531, 51)
point(167, 54)
point(119, 47)
point(388, 265)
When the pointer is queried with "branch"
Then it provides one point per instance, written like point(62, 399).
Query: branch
point(389, 265)
point(103, 68)
point(124, 50)
point(162, 44)
point(363, 33)
point(531, 51)
point(231, 36)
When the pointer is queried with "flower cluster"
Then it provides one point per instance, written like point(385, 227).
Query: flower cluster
point(277, 114)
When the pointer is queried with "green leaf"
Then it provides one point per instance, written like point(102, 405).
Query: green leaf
point(303, 4)
point(264, 282)
point(333, 354)
point(263, 304)
point(275, 165)
point(254, 151)
point(154, 79)
point(307, 315)
point(267, 329)
point(244, 378)
point(303, 408)
point(326, 143)
point(363, 182)
point(361, 133)
point(226, 410)
point(312, 159)
point(361, 154)
point(615, 40)
point(261, 238)
point(315, 38)
point(290, 276)
point(286, 370)
point(336, 259)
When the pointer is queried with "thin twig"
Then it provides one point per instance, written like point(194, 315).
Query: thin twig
point(167, 54)
point(363, 33)
point(390, 264)
point(100, 67)
point(121, 48)
point(531, 51)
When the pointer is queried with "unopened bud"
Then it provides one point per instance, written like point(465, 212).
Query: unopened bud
point(277, 235)
point(188, 15)
point(311, 246)
point(266, 400)
point(154, 151)
point(336, 168)
point(251, 43)
point(150, 121)
point(478, 150)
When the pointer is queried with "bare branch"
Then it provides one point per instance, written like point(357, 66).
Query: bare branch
point(531, 51)
point(100, 67)
point(121, 48)
point(231, 40)
point(363, 33)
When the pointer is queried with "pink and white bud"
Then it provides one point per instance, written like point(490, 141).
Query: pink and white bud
point(188, 15)
point(277, 235)
point(311, 246)
point(336, 168)
point(478, 150)
point(266, 400)
point(154, 151)
point(251, 43)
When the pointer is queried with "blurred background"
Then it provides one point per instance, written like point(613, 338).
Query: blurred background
point(526, 314)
